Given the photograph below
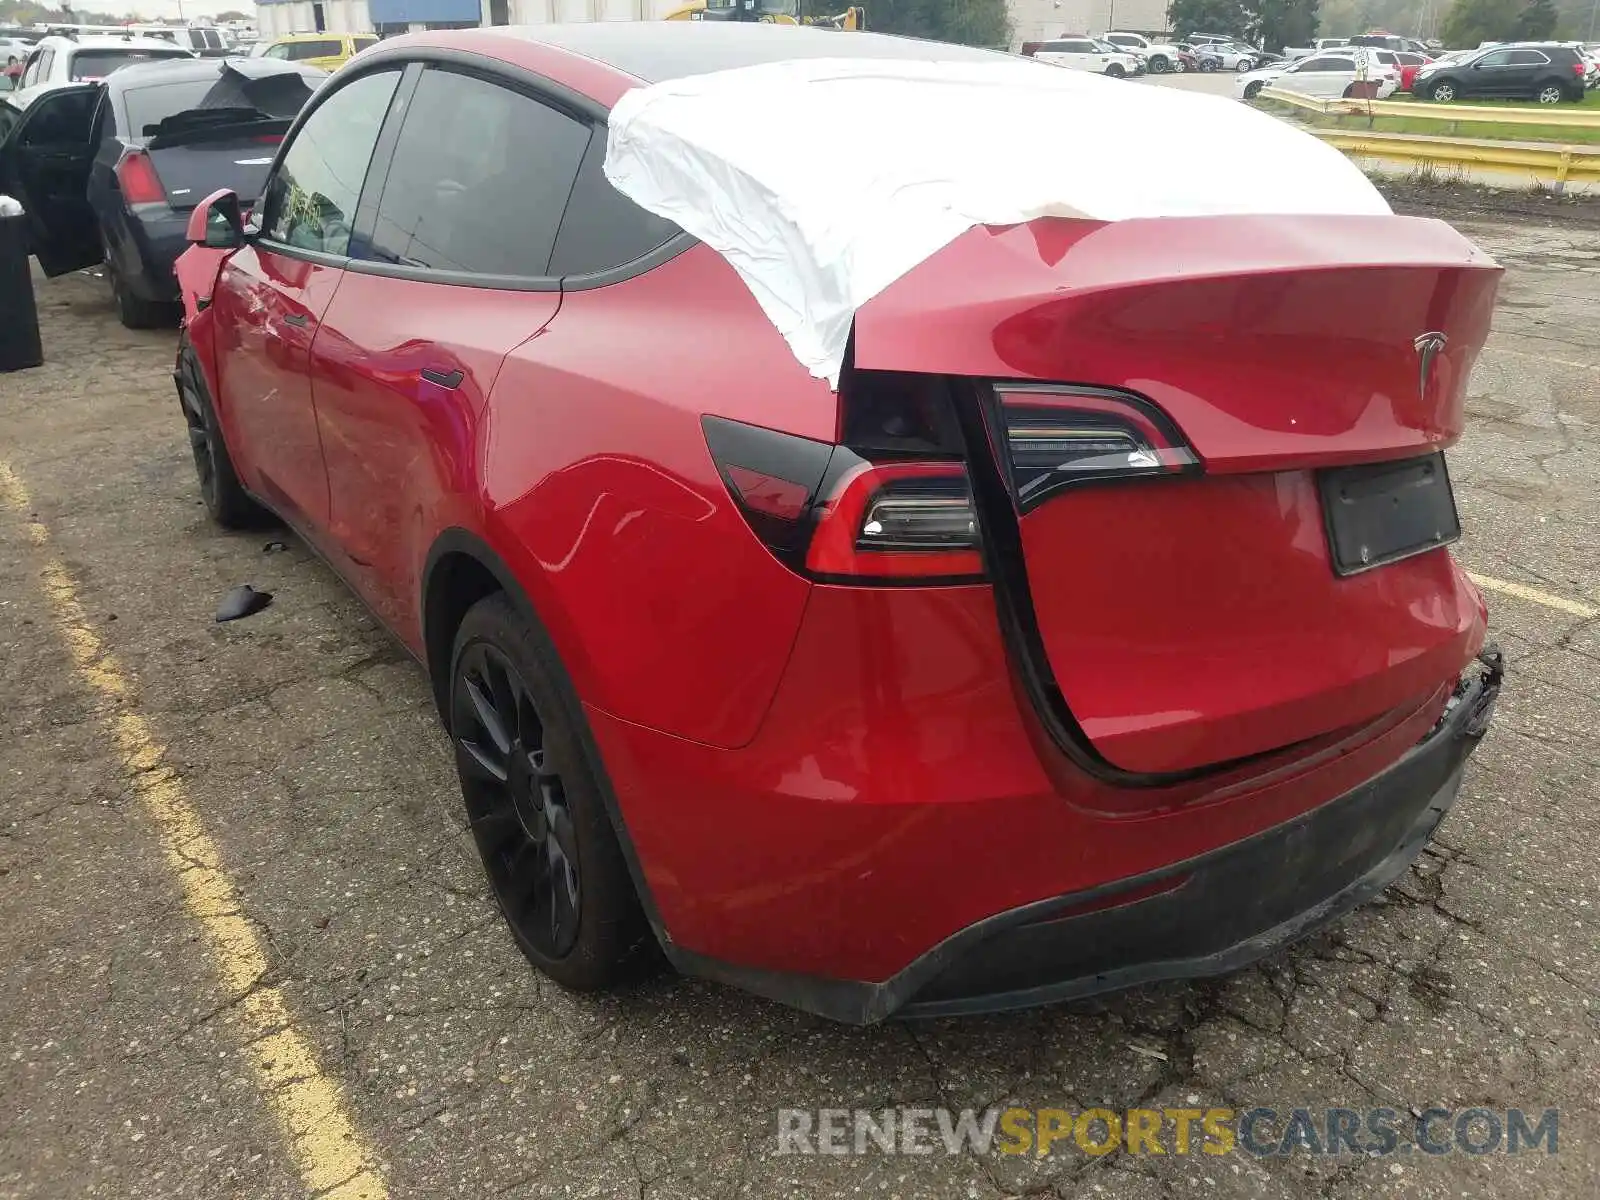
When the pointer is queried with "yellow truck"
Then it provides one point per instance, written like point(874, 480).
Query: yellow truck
point(767, 12)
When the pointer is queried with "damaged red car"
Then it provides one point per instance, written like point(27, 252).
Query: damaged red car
point(1099, 627)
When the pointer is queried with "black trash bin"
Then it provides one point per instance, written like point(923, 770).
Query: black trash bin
point(19, 316)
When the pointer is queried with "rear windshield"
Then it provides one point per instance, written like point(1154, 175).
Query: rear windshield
point(151, 105)
point(97, 64)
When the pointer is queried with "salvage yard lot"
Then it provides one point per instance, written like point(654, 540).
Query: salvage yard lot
point(304, 742)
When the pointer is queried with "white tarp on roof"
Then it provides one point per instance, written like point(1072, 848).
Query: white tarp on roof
point(822, 181)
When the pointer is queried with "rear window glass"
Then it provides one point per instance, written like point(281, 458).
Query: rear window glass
point(363, 42)
point(97, 64)
point(328, 48)
point(151, 105)
point(1528, 58)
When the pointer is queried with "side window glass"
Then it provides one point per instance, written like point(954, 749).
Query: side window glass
point(603, 228)
point(1499, 58)
point(311, 199)
point(1528, 58)
point(46, 61)
point(278, 51)
point(479, 179)
point(103, 129)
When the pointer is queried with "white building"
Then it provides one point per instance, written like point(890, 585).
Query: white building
point(1040, 20)
point(275, 18)
point(542, 12)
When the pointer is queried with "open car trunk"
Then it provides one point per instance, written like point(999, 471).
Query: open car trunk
point(1212, 493)
point(198, 152)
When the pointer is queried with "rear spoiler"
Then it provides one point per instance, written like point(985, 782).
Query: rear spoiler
point(188, 134)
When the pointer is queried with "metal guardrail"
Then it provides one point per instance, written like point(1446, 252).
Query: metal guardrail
point(1555, 165)
point(1552, 163)
point(1567, 116)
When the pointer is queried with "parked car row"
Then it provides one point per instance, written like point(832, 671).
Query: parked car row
point(110, 171)
point(1547, 72)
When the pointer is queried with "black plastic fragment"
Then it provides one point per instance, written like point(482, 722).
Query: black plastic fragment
point(243, 601)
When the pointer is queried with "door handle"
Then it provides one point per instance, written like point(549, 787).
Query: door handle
point(445, 379)
point(298, 320)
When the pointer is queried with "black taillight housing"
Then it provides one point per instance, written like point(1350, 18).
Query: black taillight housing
point(1057, 436)
point(891, 501)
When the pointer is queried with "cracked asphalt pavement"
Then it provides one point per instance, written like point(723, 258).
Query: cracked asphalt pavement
point(305, 743)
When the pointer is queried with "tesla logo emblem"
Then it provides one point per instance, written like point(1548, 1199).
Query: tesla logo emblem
point(1428, 346)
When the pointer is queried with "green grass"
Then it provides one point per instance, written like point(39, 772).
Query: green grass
point(1459, 127)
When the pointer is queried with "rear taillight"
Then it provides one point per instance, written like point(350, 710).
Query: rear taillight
point(136, 176)
point(1579, 69)
point(895, 522)
point(892, 501)
point(1057, 437)
point(888, 504)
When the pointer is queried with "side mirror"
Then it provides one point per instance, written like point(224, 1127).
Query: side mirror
point(217, 221)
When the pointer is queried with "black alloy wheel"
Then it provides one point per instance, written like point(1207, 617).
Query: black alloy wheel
point(516, 801)
point(532, 784)
point(225, 498)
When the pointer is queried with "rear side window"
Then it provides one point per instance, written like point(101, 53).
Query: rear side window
point(363, 42)
point(479, 179)
point(310, 201)
point(603, 228)
point(149, 106)
point(1528, 58)
point(1329, 64)
point(322, 48)
point(97, 64)
point(211, 38)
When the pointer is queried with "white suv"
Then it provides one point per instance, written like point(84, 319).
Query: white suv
point(88, 58)
point(1085, 54)
point(1159, 57)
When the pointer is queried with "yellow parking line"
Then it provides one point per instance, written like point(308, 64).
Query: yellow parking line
point(333, 1158)
point(1521, 591)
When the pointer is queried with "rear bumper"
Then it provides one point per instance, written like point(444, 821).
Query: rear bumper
point(148, 253)
point(1207, 914)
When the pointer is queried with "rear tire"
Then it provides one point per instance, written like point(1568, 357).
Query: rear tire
point(1550, 92)
point(1208, 65)
point(133, 311)
point(533, 798)
point(226, 500)
point(1253, 89)
point(1159, 65)
point(1443, 92)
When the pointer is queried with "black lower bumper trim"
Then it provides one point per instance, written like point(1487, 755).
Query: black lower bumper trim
point(1204, 916)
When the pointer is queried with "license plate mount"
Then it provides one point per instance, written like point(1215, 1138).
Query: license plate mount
point(1379, 513)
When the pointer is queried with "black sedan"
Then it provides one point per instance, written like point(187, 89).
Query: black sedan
point(110, 171)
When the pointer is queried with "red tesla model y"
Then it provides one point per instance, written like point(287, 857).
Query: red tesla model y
point(1085, 635)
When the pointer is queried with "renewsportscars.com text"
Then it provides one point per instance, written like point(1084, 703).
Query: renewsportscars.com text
point(1259, 1131)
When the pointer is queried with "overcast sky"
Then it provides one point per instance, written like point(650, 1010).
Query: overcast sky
point(151, 9)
